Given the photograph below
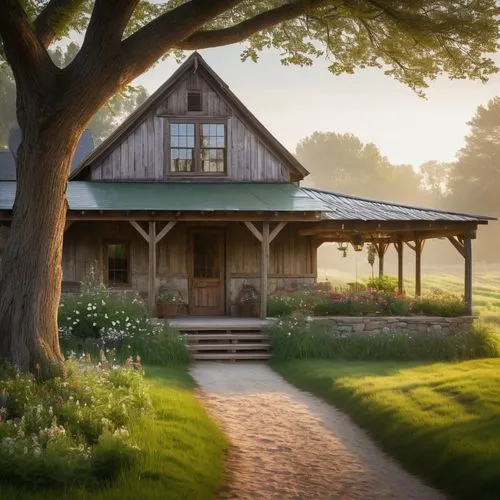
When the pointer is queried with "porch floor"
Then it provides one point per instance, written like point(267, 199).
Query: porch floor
point(200, 323)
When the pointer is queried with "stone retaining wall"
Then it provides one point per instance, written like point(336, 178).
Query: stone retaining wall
point(387, 324)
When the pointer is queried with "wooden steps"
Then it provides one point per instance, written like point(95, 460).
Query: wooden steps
point(230, 347)
point(236, 356)
point(231, 339)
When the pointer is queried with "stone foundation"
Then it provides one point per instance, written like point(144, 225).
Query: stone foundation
point(388, 324)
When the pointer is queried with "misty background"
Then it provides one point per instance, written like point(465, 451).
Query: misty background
point(362, 134)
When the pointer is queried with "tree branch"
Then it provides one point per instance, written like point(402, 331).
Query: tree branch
point(243, 30)
point(56, 16)
point(146, 45)
point(23, 49)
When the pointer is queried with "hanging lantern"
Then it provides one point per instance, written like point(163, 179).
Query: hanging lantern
point(342, 247)
point(357, 242)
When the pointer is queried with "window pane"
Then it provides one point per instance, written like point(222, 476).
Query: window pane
point(174, 129)
point(220, 142)
point(213, 129)
point(174, 141)
point(182, 142)
point(205, 128)
point(190, 129)
point(182, 129)
point(220, 130)
point(117, 264)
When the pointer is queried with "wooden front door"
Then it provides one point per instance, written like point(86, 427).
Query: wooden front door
point(207, 272)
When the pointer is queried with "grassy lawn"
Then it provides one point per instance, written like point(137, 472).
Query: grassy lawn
point(182, 450)
point(441, 420)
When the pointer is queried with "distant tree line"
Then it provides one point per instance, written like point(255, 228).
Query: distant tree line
point(342, 163)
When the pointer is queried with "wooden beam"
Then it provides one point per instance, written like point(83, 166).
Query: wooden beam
point(165, 231)
point(251, 227)
point(468, 275)
point(457, 244)
point(399, 249)
point(409, 245)
point(139, 229)
point(161, 216)
point(152, 269)
point(456, 227)
point(276, 230)
point(264, 269)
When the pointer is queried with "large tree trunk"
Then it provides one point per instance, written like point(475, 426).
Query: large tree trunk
point(30, 275)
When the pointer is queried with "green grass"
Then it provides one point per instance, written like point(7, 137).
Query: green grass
point(182, 450)
point(441, 420)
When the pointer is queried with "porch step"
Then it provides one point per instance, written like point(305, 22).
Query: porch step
point(236, 356)
point(224, 347)
point(194, 337)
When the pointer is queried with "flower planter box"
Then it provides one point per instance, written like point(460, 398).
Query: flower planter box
point(169, 309)
point(247, 310)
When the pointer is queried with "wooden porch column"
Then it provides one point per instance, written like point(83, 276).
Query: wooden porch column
point(399, 250)
point(463, 244)
point(152, 239)
point(265, 237)
point(152, 268)
point(381, 248)
point(419, 244)
point(468, 275)
point(264, 269)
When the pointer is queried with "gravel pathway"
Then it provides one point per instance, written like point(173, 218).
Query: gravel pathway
point(288, 444)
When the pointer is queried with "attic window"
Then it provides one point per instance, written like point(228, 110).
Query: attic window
point(194, 100)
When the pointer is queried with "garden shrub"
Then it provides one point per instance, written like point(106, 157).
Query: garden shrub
point(295, 338)
point(439, 304)
point(387, 284)
point(72, 429)
point(117, 325)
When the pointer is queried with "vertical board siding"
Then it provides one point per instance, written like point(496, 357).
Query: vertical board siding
point(291, 263)
point(141, 154)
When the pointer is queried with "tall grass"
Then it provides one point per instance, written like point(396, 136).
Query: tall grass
point(297, 339)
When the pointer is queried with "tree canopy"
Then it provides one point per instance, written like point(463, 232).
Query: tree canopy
point(475, 176)
point(411, 41)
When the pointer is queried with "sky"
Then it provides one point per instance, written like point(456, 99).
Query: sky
point(294, 102)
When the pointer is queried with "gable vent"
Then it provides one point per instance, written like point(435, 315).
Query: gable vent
point(194, 101)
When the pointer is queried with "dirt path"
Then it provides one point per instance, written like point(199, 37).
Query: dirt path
point(288, 444)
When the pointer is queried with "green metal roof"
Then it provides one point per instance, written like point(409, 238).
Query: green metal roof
point(208, 197)
point(235, 197)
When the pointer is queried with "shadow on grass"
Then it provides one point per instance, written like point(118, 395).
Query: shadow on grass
point(441, 420)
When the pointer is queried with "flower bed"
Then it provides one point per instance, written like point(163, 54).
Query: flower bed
point(71, 430)
point(100, 322)
point(365, 303)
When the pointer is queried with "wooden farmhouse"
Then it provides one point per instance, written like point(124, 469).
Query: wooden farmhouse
point(191, 194)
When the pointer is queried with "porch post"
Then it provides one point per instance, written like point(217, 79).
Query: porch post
point(264, 267)
point(419, 244)
point(399, 249)
point(152, 268)
point(381, 248)
point(468, 274)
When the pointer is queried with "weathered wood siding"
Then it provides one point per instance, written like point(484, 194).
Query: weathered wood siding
point(143, 154)
point(292, 258)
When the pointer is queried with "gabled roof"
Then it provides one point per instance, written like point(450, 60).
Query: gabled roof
point(194, 61)
point(236, 197)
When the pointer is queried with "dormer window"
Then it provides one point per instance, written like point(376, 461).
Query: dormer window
point(194, 100)
point(197, 148)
